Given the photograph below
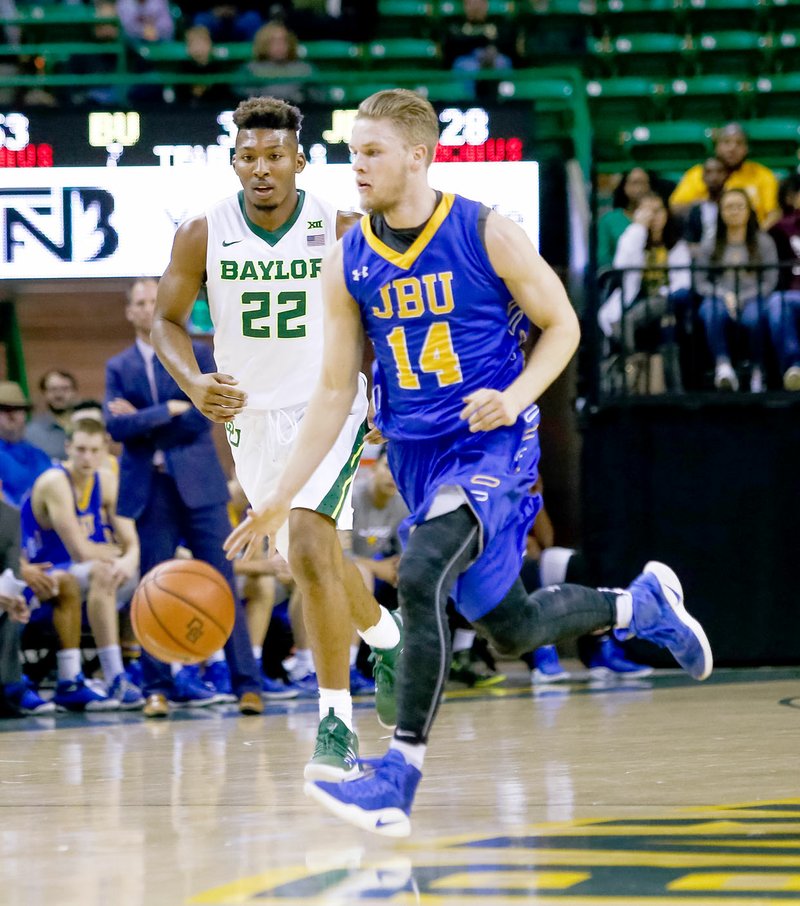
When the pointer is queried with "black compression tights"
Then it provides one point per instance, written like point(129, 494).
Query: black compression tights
point(437, 553)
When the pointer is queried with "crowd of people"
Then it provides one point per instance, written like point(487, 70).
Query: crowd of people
point(702, 279)
point(472, 40)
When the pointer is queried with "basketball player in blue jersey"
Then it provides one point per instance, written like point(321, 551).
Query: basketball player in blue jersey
point(70, 520)
point(436, 282)
point(259, 253)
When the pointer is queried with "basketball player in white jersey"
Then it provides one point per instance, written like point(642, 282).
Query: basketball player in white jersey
point(259, 252)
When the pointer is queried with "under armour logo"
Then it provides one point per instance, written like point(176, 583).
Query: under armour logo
point(358, 274)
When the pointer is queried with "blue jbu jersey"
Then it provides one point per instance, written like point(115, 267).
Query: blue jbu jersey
point(441, 321)
point(43, 545)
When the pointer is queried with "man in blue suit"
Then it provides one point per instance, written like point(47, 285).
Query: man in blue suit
point(173, 486)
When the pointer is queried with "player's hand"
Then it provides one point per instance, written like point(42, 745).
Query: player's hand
point(40, 582)
point(489, 409)
point(249, 535)
point(122, 569)
point(120, 406)
point(15, 607)
point(217, 396)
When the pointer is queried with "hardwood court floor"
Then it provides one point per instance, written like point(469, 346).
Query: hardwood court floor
point(657, 791)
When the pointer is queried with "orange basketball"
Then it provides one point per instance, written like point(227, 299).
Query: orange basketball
point(182, 610)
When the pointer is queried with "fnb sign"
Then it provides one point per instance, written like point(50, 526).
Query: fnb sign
point(69, 223)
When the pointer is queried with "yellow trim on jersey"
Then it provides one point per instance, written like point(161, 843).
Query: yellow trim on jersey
point(86, 496)
point(406, 259)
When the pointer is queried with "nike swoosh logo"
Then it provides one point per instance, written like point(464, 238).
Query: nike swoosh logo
point(381, 823)
point(232, 242)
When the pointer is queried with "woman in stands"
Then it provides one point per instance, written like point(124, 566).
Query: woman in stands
point(735, 285)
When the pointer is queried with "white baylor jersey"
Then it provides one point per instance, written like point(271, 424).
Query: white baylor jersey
point(265, 299)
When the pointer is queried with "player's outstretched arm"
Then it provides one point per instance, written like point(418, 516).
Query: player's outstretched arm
point(326, 414)
point(541, 295)
point(214, 394)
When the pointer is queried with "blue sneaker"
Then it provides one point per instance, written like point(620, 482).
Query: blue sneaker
point(23, 698)
point(276, 690)
point(307, 686)
point(128, 696)
point(360, 684)
point(218, 675)
point(546, 666)
point(660, 617)
point(189, 690)
point(379, 801)
point(78, 695)
point(134, 672)
point(608, 659)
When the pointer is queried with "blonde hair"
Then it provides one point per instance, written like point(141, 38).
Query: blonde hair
point(262, 38)
point(409, 112)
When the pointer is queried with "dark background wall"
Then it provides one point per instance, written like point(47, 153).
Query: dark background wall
point(713, 489)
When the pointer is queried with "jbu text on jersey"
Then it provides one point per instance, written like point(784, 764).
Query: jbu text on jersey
point(408, 297)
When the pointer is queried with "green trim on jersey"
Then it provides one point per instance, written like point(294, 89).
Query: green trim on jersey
point(333, 501)
point(266, 235)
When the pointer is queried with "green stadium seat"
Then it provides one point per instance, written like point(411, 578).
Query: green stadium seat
point(451, 8)
point(406, 17)
point(612, 99)
point(455, 91)
point(679, 139)
point(535, 89)
point(353, 94)
point(738, 51)
point(234, 52)
point(564, 7)
point(419, 52)
point(655, 54)
point(783, 49)
point(709, 96)
point(322, 52)
point(164, 52)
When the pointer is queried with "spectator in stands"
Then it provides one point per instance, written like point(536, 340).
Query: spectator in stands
point(9, 66)
point(146, 21)
point(274, 61)
point(478, 31)
point(48, 431)
point(783, 307)
point(735, 295)
point(104, 60)
point(760, 183)
point(631, 187)
point(655, 292)
point(477, 43)
point(226, 22)
point(201, 62)
point(172, 484)
point(345, 20)
point(701, 221)
point(17, 696)
point(20, 462)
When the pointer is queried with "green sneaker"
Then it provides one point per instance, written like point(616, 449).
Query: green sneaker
point(473, 673)
point(335, 755)
point(384, 669)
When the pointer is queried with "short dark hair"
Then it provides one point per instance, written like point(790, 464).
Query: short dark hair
point(64, 374)
point(267, 113)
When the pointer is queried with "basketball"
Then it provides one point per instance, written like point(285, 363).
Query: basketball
point(182, 610)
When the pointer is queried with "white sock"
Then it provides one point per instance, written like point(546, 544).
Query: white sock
point(353, 654)
point(414, 753)
point(111, 662)
point(624, 607)
point(69, 663)
point(463, 639)
point(384, 634)
point(258, 651)
point(176, 667)
point(340, 701)
point(304, 663)
point(216, 657)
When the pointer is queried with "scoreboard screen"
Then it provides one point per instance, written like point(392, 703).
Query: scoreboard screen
point(169, 137)
point(100, 193)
